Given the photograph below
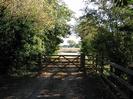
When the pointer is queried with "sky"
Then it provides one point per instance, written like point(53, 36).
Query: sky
point(75, 6)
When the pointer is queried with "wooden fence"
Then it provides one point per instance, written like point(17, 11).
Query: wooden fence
point(119, 79)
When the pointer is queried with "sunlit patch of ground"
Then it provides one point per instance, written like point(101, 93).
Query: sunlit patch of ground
point(61, 75)
point(47, 93)
point(56, 85)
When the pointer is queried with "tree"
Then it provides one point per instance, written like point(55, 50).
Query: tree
point(122, 3)
point(29, 29)
point(87, 29)
point(112, 34)
point(60, 29)
point(71, 43)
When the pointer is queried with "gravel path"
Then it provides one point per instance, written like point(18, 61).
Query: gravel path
point(57, 85)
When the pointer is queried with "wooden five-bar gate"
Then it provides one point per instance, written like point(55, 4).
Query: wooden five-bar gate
point(69, 62)
point(121, 84)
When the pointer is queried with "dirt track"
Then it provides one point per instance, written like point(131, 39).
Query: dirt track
point(56, 86)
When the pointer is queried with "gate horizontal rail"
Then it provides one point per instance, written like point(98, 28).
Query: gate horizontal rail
point(81, 62)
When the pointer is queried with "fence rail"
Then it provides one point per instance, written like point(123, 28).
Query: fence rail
point(119, 78)
point(84, 63)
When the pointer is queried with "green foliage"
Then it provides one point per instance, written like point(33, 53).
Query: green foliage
point(111, 35)
point(87, 29)
point(29, 29)
point(121, 3)
point(71, 43)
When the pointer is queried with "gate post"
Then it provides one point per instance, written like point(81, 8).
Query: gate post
point(82, 63)
point(97, 70)
point(130, 78)
point(102, 63)
point(39, 61)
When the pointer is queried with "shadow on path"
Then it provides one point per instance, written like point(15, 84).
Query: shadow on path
point(57, 85)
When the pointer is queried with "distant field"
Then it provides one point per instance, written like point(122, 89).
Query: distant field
point(69, 50)
point(61, 53)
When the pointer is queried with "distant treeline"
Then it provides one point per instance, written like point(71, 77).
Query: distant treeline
point(69, 50)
